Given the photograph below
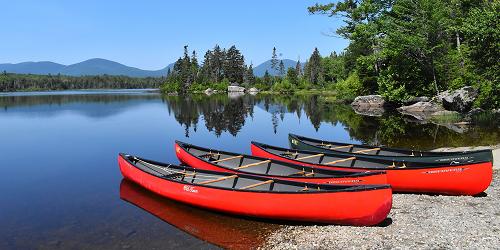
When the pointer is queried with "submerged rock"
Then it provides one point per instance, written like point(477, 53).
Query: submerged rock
point(369, 101)
point(460, 100)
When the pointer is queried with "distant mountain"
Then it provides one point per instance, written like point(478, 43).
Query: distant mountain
point(94, 66)
point(98, 66)
point(260, 70)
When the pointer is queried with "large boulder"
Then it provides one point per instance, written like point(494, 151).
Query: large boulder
point(235, 89)
point(253, 91)
point(460, 100)
point(368, 101)
point(421, 110)
point(209, 91)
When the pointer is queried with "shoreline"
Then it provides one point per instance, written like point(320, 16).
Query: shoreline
point(418, 221)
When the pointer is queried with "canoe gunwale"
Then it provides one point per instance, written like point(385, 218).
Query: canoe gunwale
point(304, 140)
point(349, 174)
point(422, 165)
point(342, 188)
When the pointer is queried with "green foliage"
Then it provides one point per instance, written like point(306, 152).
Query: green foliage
point(284, 86)
point(23, 82)
point(170, 87)
point(407, 48)
point(489, 95)
point(349, 88)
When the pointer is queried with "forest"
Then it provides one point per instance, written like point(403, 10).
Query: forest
point(27, 82)
point(397, 48)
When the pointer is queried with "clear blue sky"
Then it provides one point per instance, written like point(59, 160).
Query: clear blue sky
point(151, 34)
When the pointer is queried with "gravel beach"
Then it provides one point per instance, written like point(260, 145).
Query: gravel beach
point(418, 221)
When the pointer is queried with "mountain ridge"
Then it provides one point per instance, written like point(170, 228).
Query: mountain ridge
point(100, 66)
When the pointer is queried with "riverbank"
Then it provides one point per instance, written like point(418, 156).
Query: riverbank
point(418, 221)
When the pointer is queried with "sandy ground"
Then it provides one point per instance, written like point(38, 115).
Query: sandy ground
point(418, 221)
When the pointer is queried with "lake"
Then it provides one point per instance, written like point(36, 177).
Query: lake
point(61, 186)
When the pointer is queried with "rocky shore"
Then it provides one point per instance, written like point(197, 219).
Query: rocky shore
point(418, 221)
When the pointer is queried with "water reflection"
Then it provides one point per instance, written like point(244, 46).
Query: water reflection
point(222, 114)
point(220, 230)
point(59, 173)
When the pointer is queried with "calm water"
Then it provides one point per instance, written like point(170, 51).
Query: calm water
point(61, 187)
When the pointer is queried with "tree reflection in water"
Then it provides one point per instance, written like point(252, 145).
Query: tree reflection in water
point(224, 114)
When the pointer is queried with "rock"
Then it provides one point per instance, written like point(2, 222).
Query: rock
point(253, 90)
point(368, 110)
point(420, 110)
point(445, 113)
point(209, 91)
point(475, 111)
point(428, 107)
point(368, 101)
point(235, 95)
point(235, 89)
point(459, 100)
point(416, 99)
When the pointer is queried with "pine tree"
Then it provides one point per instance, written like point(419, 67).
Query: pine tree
point(249, 76)
point(218, 64)
point(194, 66)
point(282, 68)
point(274, 60)
point(298, 68)
point(292, 76)
point(234, 65)
point(313, 71)
point(267, 78)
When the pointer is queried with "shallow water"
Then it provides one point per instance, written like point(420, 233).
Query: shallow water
point(61, 187)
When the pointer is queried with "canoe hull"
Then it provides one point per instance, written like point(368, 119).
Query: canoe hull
point(195, 162)
point(470, 179)
point(430, 157)
point(363, 208)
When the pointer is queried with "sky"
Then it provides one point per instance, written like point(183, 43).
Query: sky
point(151, 34)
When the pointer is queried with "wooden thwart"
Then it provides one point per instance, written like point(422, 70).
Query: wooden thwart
point(253, 164)
point(337, 161)
point(346, 146)
point(257, 184)
point(367, 150)
point(228, 158)
point(220, 179)
point(304, 173)
point(309, 156)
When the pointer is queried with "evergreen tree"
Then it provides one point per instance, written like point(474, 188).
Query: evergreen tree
point(274, 60)
point(267, 78)
point(298, 68)
point(282, 68)
point(292, 76)
point(313, 71)
point(234, 65)
point(218, 64)
point(249, 76)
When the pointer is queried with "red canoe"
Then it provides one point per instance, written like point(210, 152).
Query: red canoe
point(462, 179)
point(256, 196)
point(224, 231)
point(209, 159)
